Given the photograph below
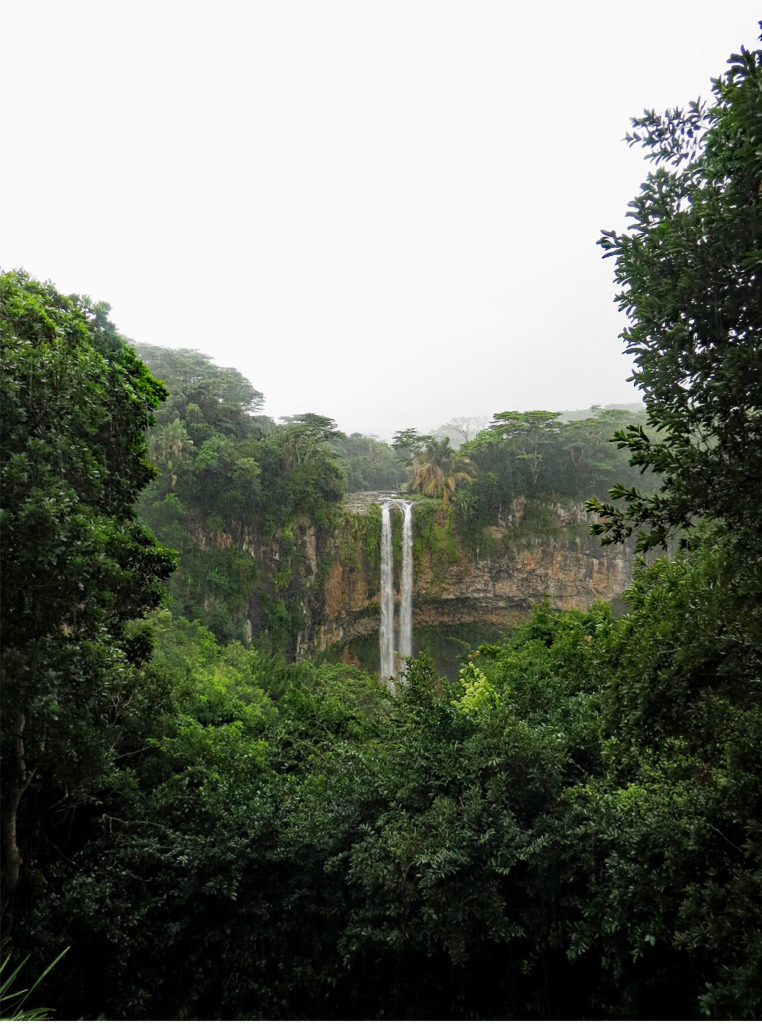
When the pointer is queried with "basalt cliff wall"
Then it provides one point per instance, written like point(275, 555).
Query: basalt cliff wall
point(328, 579)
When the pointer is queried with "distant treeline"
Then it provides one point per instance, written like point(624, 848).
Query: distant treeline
point(228, 472)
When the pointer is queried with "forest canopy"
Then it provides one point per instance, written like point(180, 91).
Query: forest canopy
point(232, 481)
point(568, 829)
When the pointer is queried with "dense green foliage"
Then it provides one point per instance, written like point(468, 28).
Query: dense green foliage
point(530, 840)
point(436, 470)
point(690, 270)
point(570, 829)
point(518, 455)
point(237, 494)
point(235, 490)
point(536, 454)
point(232, 487)
point(371, 465)
point(76, 563)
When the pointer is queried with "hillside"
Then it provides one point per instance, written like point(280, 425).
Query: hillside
point(277, 549)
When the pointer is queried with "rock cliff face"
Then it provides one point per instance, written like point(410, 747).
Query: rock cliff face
point(541, 550)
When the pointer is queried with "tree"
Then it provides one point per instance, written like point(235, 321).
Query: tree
point(371, 465)
point(218, 398)
point(593, 462)
point(690, 270)
point(169, 447)
point(305, 433)
point(231, 482)
point(437, 469)
point(682, 712)
point(528, 434)
point(464, 428)
point(76, 564)
point(408, 442)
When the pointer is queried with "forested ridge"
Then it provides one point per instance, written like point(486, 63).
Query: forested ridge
point(572, 828)
point(234, 489)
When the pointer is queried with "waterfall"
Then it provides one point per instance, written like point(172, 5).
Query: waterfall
point(386, 632)
point(406, 586)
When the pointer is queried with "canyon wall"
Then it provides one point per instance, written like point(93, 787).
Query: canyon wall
point(541, 550)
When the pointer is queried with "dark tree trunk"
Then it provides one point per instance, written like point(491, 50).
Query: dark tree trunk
point(20, 777)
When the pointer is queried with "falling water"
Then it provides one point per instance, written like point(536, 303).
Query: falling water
point(387, 595)
point(406, 588)
point(386, 632)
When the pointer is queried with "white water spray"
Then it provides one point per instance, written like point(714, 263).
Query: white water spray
point(406, 586)
point(386, 632)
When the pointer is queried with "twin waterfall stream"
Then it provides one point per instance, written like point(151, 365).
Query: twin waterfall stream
point(391, 668)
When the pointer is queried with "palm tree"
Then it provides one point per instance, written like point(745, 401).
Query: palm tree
point(168, 446)
point(437, 469)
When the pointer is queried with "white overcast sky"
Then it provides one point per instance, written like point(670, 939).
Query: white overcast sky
point(385, 212)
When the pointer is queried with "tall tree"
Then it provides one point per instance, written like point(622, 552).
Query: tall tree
point(76, 564)
point(528, 434)
point(437, 469)
point(462, 428)
point(682, 708)
point(690, 271)
point(206, 398)
point(372, 465)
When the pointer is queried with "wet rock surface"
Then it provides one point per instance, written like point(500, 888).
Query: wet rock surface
point(537, 553)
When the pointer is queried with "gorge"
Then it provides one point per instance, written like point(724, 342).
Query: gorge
point(340, 589)
point(389, 670)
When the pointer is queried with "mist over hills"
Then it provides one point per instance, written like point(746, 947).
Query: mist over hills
point(461, 429)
